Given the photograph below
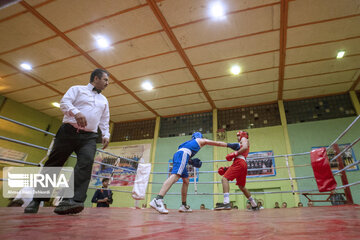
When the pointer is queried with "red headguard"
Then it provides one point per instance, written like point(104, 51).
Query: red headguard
point(242, 134)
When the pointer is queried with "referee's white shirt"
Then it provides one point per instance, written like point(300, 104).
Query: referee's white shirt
point(94, 106)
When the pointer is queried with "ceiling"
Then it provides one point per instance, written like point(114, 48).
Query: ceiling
point(286, 50)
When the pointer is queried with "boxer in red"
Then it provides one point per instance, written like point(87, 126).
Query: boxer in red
point(238, 171)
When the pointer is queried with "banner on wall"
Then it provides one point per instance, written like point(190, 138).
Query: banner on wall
point(190, 170)
point(265, 166)
point(348, 158)
point(126, 175)
point(12, 154)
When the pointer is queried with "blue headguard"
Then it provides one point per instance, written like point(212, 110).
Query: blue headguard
point(197, 135)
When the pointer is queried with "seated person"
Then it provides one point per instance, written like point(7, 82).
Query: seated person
point(277, 205)
point(202, 207)
point(260, 206)
point(284, 205)
point(300, 204)
point(103, 197)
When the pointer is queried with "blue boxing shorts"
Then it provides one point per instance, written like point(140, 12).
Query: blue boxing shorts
point(180, 160)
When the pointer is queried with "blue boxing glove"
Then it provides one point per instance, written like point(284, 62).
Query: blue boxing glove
point(195, 162)
point(234, 146)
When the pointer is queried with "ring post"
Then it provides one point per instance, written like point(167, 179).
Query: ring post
point(344, 180)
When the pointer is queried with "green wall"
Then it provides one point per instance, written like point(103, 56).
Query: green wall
point(304, 136)
point(166, 147)
point(30, 116)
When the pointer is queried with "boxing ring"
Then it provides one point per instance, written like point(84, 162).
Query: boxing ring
point(327, 222)
point(331, 223)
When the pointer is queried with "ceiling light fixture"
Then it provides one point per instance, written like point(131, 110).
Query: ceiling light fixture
point(26, 66)
point(147, 86)
point(217, 10)
point(56, 104)
point(235, 70)
point(340, 54)
point(102, 42)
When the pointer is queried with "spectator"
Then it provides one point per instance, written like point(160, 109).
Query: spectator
point(202, 207)
point(260, 206)
point(277, 205)
point(300, 204)
point(284, 205)
point(143, 205)
point(103, 197)
point(235, 207)
point(310, 204)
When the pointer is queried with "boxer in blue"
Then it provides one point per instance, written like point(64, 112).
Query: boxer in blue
point(181, 158)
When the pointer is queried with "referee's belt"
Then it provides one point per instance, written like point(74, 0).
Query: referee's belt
point(74, 129)
point(185, 150)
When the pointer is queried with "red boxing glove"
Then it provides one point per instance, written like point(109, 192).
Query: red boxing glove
point(231, 156)
point(222, 170)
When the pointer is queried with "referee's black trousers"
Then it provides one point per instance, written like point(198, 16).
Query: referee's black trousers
point(68, 140)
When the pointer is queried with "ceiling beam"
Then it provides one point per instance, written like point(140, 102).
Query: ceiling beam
point(154, 7)
point(82, 52)
point(357, 81)
point(283, 31)
point(227, 14)
point(30, 76)
point(325, 20)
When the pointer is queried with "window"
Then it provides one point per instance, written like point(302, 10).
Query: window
point(125, 131)
point(315, 109)
point(249, 117)
point(186, 124)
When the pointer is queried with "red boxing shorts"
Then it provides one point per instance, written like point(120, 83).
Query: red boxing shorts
point(237, 170)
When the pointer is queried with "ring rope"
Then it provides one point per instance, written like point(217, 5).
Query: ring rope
point(46, 149)
point(348, 185)
point(345, 149)
point(19, 161)
point(250, 158)
point(265, 180)
point(52, 134)
point(343, 133)
point(250, 170)
point(347, 167)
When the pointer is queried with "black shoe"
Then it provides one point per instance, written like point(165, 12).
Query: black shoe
point(69, 207)
point(223, 206)
point(33, 207)
point(255, 208)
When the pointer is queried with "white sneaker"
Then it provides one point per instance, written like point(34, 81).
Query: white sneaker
point(158, 205)
point(185, 209)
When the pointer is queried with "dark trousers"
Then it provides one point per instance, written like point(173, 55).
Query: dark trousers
point(67, 140)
